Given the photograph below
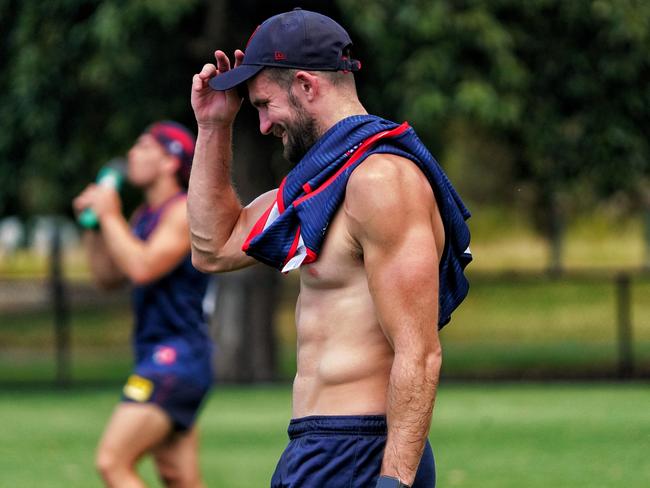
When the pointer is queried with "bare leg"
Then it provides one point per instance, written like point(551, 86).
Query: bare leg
point(134, 429)
point(177, 459)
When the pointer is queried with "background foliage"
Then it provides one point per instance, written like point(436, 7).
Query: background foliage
point(540, 107)
point(550, 93)
point(543, 101)
point(79, 80)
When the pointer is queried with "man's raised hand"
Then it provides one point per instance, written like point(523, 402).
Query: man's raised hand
point(214, 108)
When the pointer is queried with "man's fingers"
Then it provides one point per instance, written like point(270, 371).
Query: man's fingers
point(208, 71)
point(78, 204)
point(85, 199)
point(239, 57)
point(223, 63)
point(197, 84)
point(200, 80)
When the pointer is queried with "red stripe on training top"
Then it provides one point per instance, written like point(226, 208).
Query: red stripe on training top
point(257, 228)
point(363, 148)
point(280, 196)
point(261, 222)
point(311, 256)
point(293, 248)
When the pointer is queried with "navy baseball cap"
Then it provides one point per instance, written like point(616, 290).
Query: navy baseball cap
point(298, 39)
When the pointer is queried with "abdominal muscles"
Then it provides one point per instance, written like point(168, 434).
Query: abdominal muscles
point(344, 358)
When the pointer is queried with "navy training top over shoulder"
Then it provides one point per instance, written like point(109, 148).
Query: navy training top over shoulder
point(293, 229)
point(170, 309)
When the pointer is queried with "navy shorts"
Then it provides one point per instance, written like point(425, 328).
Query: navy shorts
point(180, 397)
point(340, 452)
point(174, 376)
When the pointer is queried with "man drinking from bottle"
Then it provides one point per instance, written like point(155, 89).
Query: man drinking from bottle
point(173, 351)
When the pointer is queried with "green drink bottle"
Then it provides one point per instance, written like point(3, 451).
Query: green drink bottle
point(111, 175)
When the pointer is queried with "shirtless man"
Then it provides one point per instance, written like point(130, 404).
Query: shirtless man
point(380, 248)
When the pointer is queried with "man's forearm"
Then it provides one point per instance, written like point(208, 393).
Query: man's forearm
point(411, 394)
point(213, 206)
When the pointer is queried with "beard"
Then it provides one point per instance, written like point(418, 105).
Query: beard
point(302, 132)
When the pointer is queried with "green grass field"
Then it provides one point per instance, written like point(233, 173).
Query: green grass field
point(484, 435)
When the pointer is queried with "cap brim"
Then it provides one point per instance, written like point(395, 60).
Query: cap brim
point(234, 77)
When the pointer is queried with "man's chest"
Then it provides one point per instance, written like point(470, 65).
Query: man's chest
point(340, 258)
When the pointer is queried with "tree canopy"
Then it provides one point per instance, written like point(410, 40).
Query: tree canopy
point(79, 79)
point(548, 92)
point(565, 86)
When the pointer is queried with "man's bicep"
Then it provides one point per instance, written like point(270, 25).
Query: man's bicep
point(403, 281)
point(232, 251)
point(249, 216)
point(391, 209)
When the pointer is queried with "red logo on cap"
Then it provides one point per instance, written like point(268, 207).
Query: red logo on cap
point(279, 56)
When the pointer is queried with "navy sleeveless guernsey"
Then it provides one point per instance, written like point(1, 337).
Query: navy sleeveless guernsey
point(169, 311)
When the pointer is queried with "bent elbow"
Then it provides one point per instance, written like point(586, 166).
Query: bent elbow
point(206, 263)
point(200, 263)
point(436, 350)
point(144, 273)
point(141, 277)
point(205, 255)
point(433, 361)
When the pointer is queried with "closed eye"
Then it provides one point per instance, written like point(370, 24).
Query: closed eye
point(260, 103)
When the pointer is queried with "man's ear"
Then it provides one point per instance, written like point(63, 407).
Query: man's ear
point(307, 84)
point(172, 164)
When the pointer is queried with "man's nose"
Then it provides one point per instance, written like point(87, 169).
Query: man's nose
point(265, 124)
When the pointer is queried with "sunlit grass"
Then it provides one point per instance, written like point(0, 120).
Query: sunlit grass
point(483, 435)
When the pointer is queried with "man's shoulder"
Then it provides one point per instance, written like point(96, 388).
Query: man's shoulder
point(385, 195)
point(385, 180)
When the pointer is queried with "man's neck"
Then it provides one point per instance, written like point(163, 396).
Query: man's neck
point(160, 191)
point(330, 118)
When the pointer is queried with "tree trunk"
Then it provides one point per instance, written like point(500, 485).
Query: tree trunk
point(645, 210)
point(243, 325)
point(243, 321)
point(646, 234)
point(549, 215)
point(556, 236)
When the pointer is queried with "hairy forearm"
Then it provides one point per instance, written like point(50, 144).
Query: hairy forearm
point(411, 394)
point(212, 203)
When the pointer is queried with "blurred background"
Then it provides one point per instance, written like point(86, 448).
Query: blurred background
point(539, 111)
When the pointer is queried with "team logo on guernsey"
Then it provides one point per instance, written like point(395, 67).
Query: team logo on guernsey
point(164, 355)
point(138, 388)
